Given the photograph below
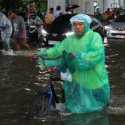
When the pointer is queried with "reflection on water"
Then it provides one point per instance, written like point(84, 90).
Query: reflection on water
point(16, 74)
point(87, 119)
point(97, 118)
point(19, 79)
point(116, 68)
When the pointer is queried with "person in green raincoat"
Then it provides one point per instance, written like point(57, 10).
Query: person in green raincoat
point(84, 56)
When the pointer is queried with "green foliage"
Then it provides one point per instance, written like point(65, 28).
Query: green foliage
point(41, 5)
point(22, 4)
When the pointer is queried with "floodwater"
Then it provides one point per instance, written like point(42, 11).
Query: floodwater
point(19, 80)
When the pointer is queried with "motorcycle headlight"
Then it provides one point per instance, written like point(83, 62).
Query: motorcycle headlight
point(108, 27)
point(44, 32)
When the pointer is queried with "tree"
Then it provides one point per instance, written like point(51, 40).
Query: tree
point(22, 4)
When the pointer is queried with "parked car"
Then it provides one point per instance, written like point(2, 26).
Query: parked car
point(116, 28)
point(61, 27)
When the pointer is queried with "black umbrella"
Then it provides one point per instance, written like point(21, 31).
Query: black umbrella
point(61, 24)
point(73, 6)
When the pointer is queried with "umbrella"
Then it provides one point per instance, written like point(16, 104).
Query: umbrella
point(73, 6)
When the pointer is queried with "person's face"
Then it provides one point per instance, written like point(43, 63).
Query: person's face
point(78, 28)
point(12, 15)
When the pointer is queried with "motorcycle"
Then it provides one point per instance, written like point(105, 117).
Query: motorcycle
point(34, 31)
point(49, 94)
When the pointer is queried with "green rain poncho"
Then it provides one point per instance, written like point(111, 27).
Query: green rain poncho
point(89, 90)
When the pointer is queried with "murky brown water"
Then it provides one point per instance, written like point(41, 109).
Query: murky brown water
point(18, 81)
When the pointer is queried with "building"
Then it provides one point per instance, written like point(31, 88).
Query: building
point(88, 6)
point(55, 3)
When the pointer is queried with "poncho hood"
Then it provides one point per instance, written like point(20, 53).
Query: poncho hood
point(85, 19)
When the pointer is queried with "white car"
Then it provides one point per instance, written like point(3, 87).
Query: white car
point(116, 29)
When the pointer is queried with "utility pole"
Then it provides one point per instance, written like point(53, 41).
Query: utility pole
point(119, 3)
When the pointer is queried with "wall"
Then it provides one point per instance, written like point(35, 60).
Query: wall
point(54, 3)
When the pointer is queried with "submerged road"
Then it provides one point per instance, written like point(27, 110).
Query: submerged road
point(18, 80)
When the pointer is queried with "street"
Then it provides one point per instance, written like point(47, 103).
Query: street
point(18, 80)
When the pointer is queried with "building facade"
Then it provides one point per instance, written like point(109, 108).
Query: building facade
point(87, 6)
point(55, 3)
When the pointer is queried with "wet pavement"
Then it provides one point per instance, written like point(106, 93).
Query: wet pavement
point(18, 82)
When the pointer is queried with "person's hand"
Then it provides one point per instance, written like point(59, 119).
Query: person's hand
point(31, 56)
point(71, 56)
point(40, 53)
